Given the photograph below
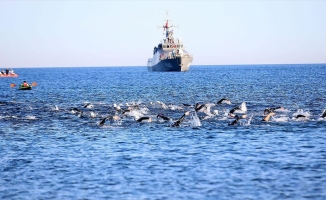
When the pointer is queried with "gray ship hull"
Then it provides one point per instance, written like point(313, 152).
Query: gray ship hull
point(172, 65)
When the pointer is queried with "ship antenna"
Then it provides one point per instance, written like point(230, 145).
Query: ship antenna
point(167, 26)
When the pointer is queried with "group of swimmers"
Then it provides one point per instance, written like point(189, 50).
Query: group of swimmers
point(268, 113)
point(237, 113)
point(198, 111)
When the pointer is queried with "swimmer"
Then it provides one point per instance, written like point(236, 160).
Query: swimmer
point(124, 111)
point(237, 118)
point(86, 105)
point(324, 114)
point(301, 116)
point(233, 110)
point(224, 100)
point(102, 122)
point(241, 108)
point(269, 110)
point(144, 118)
point(178, 122)
point(163, 117)
point(199, 107)
point(115, 117)
point(76, 110)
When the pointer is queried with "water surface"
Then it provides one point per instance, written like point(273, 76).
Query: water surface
point(48, 152)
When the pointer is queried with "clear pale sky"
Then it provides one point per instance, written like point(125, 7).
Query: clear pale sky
point(124, 33)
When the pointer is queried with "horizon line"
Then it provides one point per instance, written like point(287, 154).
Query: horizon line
point(146, 66)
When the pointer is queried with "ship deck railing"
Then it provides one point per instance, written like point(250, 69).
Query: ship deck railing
point(172, 45)
point(171, 41)
point(173, 56)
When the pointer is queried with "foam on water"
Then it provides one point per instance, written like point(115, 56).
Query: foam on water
point(31, 117)
point(195, 122)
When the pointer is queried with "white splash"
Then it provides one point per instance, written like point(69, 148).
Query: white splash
point(306, 115)
point(175, 107)
point(243, 107)
point(30, 117)
point(227, 102)
point(280, 119)
point(208, 107)
point(143, 110)
point(133, 103)
point(56, 108)
point(135, 113)
point(207, 111)
point(249, 120)
point(162, 105)
point(117, 107)
point(226, 113)
point(281, 110)
point(90, 106)
point(93, 115)
point(301, 112)
point(195, 122)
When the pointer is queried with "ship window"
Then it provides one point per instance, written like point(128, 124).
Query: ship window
point(164, 46)
point(178, 46)
point(181, 45)
point(167, 46)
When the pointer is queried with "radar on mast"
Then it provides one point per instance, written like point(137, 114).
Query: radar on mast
point(166, 26)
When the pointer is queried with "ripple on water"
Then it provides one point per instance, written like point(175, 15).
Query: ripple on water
point(48, 152)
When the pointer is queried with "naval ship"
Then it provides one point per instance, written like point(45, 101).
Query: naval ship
point(170, 54)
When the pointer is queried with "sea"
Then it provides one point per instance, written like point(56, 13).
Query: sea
point(75, 135)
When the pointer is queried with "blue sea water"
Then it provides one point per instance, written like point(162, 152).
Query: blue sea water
point(49, 152)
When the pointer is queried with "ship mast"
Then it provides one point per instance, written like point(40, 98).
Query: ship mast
point(167, 26)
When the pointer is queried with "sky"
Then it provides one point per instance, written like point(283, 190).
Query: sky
point(71, 33)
